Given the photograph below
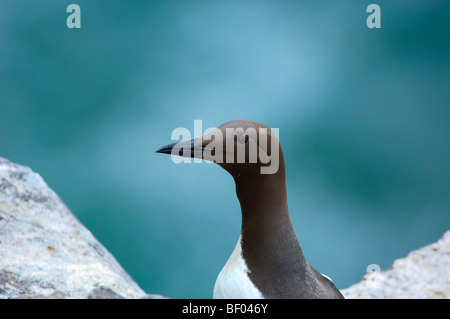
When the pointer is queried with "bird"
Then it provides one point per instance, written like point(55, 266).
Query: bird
point(267, 261)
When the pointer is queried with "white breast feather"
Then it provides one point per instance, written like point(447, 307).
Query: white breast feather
point(233, 281)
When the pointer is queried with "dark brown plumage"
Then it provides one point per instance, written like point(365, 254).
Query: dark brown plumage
point(270, 249)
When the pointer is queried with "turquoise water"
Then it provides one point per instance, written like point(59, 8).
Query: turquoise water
point(363, 117)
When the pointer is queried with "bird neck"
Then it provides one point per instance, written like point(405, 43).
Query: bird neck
point(266, 225)
point(262, 197)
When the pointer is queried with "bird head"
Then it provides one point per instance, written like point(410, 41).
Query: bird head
point(240, 147)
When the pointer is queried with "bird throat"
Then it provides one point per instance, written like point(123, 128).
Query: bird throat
point(269, 243)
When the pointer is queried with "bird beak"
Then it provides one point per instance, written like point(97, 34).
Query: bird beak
point(187, 148)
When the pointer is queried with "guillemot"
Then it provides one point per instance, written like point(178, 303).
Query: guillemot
point(267, 261)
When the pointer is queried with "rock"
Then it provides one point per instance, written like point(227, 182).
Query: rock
point(45, 252)
point(424, 273)
point(154, 296)
point(55, 295)
point(103, 293)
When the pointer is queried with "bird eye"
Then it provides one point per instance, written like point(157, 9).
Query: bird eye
point(243, 138)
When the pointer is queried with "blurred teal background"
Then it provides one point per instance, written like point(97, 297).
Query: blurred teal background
point(363, 117)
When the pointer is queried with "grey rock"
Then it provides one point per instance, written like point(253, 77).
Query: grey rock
point(103, 293)
point(55, 295)
point(45, 252)
point(423, 274)
point(153, 296)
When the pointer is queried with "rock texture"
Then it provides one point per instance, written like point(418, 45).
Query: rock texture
point(424, 273)
point(45, 252)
